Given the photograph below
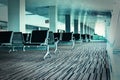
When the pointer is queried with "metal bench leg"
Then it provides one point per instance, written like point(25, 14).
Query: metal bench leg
point(47, 53)
point(13, 48)
point(73, 44)
point(23, 48)
point(56, 46)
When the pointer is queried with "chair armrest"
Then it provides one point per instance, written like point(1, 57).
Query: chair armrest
point(56, 39)
point(73, 38)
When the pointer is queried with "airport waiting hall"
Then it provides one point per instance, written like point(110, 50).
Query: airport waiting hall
point(59, 40)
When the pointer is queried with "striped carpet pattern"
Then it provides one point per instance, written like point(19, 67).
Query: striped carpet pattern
point(86, 61)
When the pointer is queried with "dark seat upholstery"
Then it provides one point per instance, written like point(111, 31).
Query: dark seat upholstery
point(57, 36)
point(18, 40)
point(83, 37)
point(67, 37)
point(91, 37)
point(39, 38)
point(88, 37)
point(6, 39)
point(25, 36)
point(76, 36)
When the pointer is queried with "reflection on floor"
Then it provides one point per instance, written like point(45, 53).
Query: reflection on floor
point(87, 61)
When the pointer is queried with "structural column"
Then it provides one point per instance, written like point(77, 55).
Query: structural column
point(85, 29)
point(67, 22)
point(79, 17)
point(75, 26)
point(91, 31)
point(16, 15)
point(84, 22)
point(53, 18)
point(81, 28)
point(81, 22)
point(88, 30)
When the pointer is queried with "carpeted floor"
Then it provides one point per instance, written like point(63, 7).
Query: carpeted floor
point(86, 61)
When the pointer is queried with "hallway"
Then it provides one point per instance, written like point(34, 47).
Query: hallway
point(87, 61)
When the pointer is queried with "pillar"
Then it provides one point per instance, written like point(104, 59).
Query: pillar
point(81, 22)
point(85, 29)
point(81, 28)
point(67, 22)
point(79, 17)
point(16, 15)
point(75, 26)
point(53, 18)
point(84, 22)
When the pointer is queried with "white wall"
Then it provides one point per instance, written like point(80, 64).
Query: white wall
point(114, 29)
point(60, 25)
point(113, 45)
point(36, 20)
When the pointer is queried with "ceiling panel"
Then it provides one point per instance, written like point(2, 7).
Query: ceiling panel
point(74, 7)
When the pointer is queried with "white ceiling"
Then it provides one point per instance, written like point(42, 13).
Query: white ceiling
point(70, 6)
point(74, 7)
point(87, 4)
point(75, 4)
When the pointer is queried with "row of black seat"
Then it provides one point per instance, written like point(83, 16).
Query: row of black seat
point(77, 36)
point(36, 38)
point(86, 37)
point(65, 37)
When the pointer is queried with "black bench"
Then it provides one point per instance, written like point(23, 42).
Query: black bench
point(39, 38)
